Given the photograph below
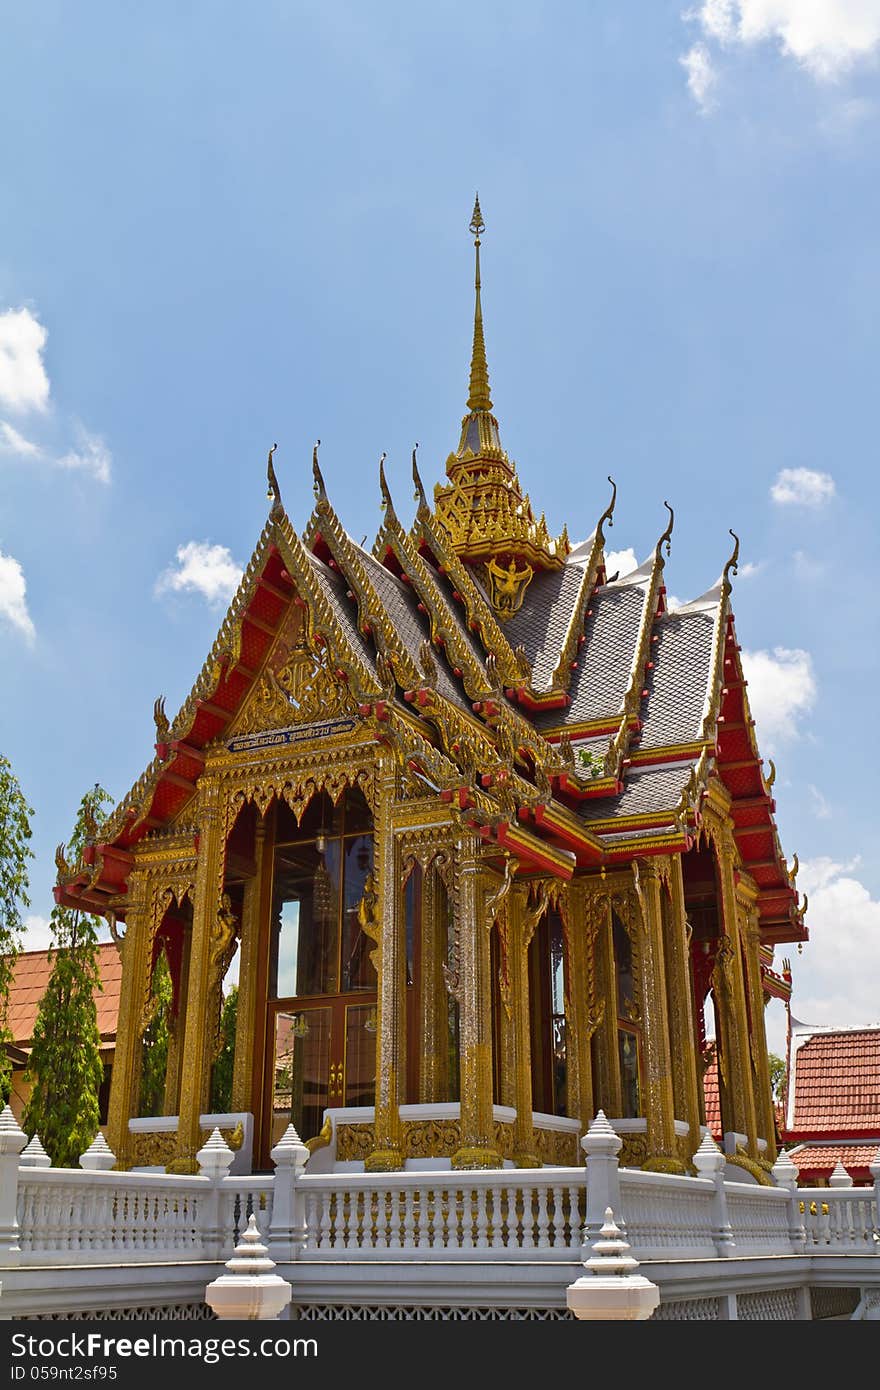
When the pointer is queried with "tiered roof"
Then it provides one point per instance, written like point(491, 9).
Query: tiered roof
point(566, 715)
point(834, 1102)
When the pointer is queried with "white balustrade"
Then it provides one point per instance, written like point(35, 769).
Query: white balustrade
point(840, 1219)
point(759, 1218)
point(495, 1214)
point(667, 1216)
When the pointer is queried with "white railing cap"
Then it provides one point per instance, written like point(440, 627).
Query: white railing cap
point(35, 1156)
point(98, 1156)
point(600, 1138)
point(12, 1136)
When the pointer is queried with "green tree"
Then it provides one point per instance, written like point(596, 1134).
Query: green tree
point(156, 1038)
point(15, 832)
point(65, 1065)
point(221, 1073)
point(777, 1077)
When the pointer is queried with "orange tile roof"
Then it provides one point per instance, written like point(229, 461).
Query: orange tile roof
point(29, 981)
point(837, 1082)
point(713, 1101)
point(823, 1158)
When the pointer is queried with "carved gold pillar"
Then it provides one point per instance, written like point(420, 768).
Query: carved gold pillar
point(728, 973)
point(523, 918)
point(177, 1031)
point(245, 1023)
point(477, 1148)
point(433, 1023)
point(609, 1096)
point(751, 933)
point(585, 1010)
point(199, 1034)
point(658, 1099)
point(686, 1076)
point(134, 992)
point(390, 934)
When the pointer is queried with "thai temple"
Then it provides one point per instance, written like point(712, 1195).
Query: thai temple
point(486, 829)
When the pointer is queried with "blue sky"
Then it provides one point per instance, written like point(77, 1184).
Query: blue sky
point(222, 226)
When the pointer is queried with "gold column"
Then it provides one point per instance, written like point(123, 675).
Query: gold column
point(389, 932)
point(686, 1081)
point(198, 1037)
point(475, 1013)
point(176, 1032)
point(582, 916)
point(658, 1100)
point(728, 974)
point(245, 1023)
point(432, 993)
point(610, 1097)
point(751, 933)
point(523, 919)
point(134, 993)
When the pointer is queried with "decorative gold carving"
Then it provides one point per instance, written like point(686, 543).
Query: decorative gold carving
point(370, 921)
point(322, 1138)
point(507, 587)
point(302, 690)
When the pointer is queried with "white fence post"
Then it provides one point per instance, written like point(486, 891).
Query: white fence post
point(840, 1177)
point(250, 1289)
point(874, 1170)
point(35, 1156)
point(98, 1157)
point(785, 1174)
point(709, 1162)
point(215, 1160)
point(601, 1145)
point(287, 1229)
point(12, 1141)
point(611, 1290)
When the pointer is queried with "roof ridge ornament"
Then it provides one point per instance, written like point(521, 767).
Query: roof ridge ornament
point(666, 538)
point(608, 514)
point(318, 483)
point(732, 566)
point(273, 491)
point(419, 494)
point(384, 491)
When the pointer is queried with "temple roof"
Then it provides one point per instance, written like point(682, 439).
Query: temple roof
point(571, 719)
point(836, 1085)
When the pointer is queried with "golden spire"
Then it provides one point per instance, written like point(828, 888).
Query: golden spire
point(478, 398)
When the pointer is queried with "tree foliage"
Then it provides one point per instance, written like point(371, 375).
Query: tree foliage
point(156, 1039)
point(777, 1077)
point(65, 1066)
point(15, 851)
point(221, 1073)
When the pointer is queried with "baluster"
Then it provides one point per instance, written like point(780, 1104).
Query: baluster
point(481, 1223)
point(527, 1196)
point(574, 1217)
point(324, 1231)
point(557, 1218)
point(445, 1199)
point(543, 1220)
point(496, 1240)
point(410, 1232)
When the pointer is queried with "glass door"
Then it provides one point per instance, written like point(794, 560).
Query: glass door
point(324, 1055)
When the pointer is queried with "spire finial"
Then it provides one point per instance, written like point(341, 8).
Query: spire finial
point(478, 397)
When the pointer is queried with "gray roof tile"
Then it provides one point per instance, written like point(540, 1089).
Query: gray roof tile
point(600, 683)
point(672, 710)
point(647, 790)
point(543, 621)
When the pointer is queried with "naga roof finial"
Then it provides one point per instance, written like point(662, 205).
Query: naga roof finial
point(273, 491)
point(608, 514)
point(666, 538)
point(419, 494)
point(318, 484)
point(732, 565)
point(383, 485)
point(478, 395)
point(771, 777)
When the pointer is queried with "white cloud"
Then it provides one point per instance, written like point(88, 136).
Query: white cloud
point(819, 804)
point(836, 978)
point(803, 487)
point(202, 568)
point(620, 562)
point(11, 442)
point(37, 933)
point(701, 75)
point(749, 570)
point(782, 689)
point(91, 455)
point(13, 602)
point(24, 384)
point(827, 38)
